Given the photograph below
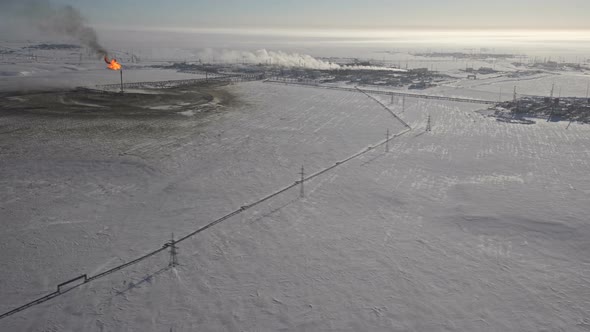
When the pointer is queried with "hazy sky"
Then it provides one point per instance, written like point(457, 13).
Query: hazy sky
point(528, 14)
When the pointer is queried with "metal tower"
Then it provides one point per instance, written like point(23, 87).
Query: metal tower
point(302, 191)
point(173, 253)
point(514, 98)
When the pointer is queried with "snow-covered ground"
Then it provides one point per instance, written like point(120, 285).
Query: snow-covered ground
point(501, 86)
point(39, 69)
point(478, 225)
point(37, 76)
point(475, 226)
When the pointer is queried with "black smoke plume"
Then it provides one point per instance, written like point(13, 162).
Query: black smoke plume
point(62, 19)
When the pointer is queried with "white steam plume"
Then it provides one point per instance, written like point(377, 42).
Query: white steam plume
point(279, 58)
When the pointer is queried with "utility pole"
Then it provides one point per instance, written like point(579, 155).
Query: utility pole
point(391, 99)
point(514, 99)
point(387, 141)
point(404, 103)
point(552, 89)
point(302, 191)
point(121, 72)
point(173, 253)
point(428, 126)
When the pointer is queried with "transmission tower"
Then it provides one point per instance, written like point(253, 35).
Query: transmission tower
point(302, 191)
point(404, 103)
point(173, 252)
point(514, 98)
point(428, 125)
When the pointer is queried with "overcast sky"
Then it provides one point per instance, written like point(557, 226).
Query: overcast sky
point(377, 14)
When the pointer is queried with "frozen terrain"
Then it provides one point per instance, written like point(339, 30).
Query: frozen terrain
point(477, 225)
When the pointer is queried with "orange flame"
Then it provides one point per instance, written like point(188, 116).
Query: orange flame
point(112, 64)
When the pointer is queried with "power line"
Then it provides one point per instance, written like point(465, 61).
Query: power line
point(387, 108)
point(395, 93)
point(172, 244)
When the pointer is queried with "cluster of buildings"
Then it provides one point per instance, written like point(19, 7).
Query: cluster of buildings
point(553, 109)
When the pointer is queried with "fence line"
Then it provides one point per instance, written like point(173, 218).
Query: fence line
point(175, 83)
point(310, 83)
point(387, 108)
point(87, 279)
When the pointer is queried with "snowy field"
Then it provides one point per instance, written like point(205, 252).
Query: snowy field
point(40, 69)
point(41, 76)
point(501, 87)
point(475, 226)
